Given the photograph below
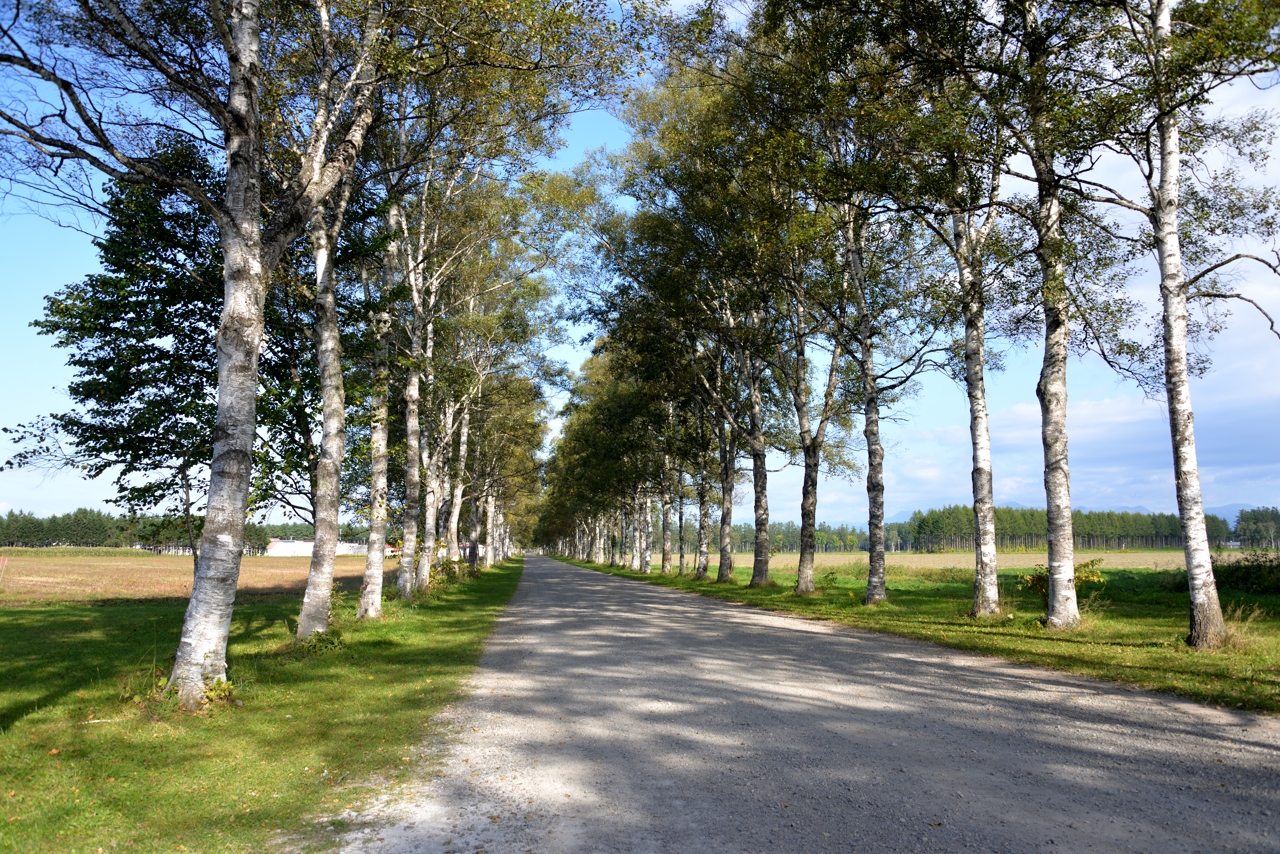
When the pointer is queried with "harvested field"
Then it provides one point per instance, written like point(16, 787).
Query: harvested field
point(39, 575)
point(1016, 560)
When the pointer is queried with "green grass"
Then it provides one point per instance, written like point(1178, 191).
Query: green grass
point(319, 729)
point(1133, 628)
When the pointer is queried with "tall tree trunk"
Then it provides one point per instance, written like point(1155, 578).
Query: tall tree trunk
point(452, 553)
point(473, 537)
point(371, 587)
point(412, 472)
point(1051, 391)
point(201, 656)
point(430, 458)
point(727, 438)
point(808, 518)
point(986, 589)
point(490, 529)
point(316, 601)
point(637, 532)
point(704, 520)
point(680, 522)
point(875, 467)
point(759, 483)
point(666, 526)
point(1207, 628)
point(646, 536)
point(811, 441)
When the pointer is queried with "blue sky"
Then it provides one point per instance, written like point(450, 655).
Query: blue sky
point(1120, 451)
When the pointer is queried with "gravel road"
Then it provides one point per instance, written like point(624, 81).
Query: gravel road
point(611, 715)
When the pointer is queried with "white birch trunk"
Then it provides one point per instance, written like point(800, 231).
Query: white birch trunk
point(371, 588)
point(201, 657)
point(727, 438)
point(759, 481)
point(490, 529)
point(666, 527)
point(646, 536)
point(327, 493)
point(452, 552)
point(1051, 391)
point(703, 561)
point(1207, 629)
point(986, 589)
point(876, 591)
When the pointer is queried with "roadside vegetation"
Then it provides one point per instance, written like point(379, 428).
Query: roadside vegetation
point(94, 758)
point(1133, 623)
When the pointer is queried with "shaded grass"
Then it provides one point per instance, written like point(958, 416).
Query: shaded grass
point(1133, 629)
point(85, 766)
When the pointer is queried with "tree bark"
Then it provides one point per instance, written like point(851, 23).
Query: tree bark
point(1051, 391)
point(452, 553)
point(727, 438)
point(875, 468)
point(759, 480)
point(202, 649)
point(201, 656)
point(371, 588)
point(666, 526)
point(646, 535)
point(808, 519)
point(490, 529)
point(680, 522)
point(986, 589)
point(704, 520)
point(327, 492)
point(1207, 630)
point(430, 462)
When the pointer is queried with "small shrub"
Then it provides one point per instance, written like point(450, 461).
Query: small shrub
point(1256, 571)
point(1038, 582)
point(828, 580)
point(220, 692)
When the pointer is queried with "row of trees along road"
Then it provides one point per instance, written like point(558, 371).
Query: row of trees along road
point(321, 230)
point(824, 203)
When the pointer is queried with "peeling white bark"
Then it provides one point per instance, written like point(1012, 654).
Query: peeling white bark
point(1208, 630)
point(326, 490)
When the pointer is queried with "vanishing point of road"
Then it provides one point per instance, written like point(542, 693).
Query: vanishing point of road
point(610, 715)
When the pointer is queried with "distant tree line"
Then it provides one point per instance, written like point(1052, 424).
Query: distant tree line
point(96, 529)
point(951, 529)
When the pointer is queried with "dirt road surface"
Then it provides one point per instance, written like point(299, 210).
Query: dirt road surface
point(613, 716)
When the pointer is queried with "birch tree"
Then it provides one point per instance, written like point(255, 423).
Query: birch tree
point(1177, 56)
point(79, 78)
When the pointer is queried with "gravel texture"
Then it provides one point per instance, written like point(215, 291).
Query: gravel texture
point(611, 715)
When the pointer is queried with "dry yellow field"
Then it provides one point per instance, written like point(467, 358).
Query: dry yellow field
point(910, 560)
point(37, 574)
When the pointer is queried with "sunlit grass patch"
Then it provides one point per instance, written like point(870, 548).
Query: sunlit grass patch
point(84, 765)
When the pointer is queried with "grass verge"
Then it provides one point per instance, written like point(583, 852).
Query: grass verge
point(1133, 626)
point(88, 764)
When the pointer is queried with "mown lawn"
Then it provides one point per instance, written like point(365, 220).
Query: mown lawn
point(88, 764)
point(1133, 630)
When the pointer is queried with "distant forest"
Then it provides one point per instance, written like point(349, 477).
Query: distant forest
point(946, 529)
point(93, 528)
point(1020, 528)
